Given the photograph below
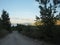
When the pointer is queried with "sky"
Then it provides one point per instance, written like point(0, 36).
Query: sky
point(20, 11)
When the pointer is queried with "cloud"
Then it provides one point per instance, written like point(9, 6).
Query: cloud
point(24, 20)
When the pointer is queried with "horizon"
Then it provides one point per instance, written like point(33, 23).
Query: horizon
point(20, 11)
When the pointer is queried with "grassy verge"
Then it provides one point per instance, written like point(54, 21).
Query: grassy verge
point(3, 33)
point(43, 34)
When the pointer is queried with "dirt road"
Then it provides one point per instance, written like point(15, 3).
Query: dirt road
point(18, 39)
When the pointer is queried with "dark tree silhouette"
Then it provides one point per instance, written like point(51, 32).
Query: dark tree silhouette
point(58, 16)
point(47, 12)
point(0, 24)
point(6, 20)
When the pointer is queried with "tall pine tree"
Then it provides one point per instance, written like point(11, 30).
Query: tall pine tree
point(47, 13)
point(6, 20)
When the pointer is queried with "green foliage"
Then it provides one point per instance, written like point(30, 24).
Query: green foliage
point(47, 13)
point(4, 24)
point(58, 16)
point(47, 17)
point(6, 21)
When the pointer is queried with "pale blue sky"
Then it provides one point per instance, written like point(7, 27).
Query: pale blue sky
point(20, 10)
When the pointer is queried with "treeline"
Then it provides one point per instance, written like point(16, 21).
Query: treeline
point(5, 25)
point(40, 32)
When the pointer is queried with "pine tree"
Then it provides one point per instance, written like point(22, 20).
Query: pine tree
point(6, 20)
point(47, 12)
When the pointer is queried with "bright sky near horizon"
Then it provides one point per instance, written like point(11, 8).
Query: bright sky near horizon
point(20, 11)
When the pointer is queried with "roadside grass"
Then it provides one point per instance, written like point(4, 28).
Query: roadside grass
point(3, 33)
point(42, 34)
